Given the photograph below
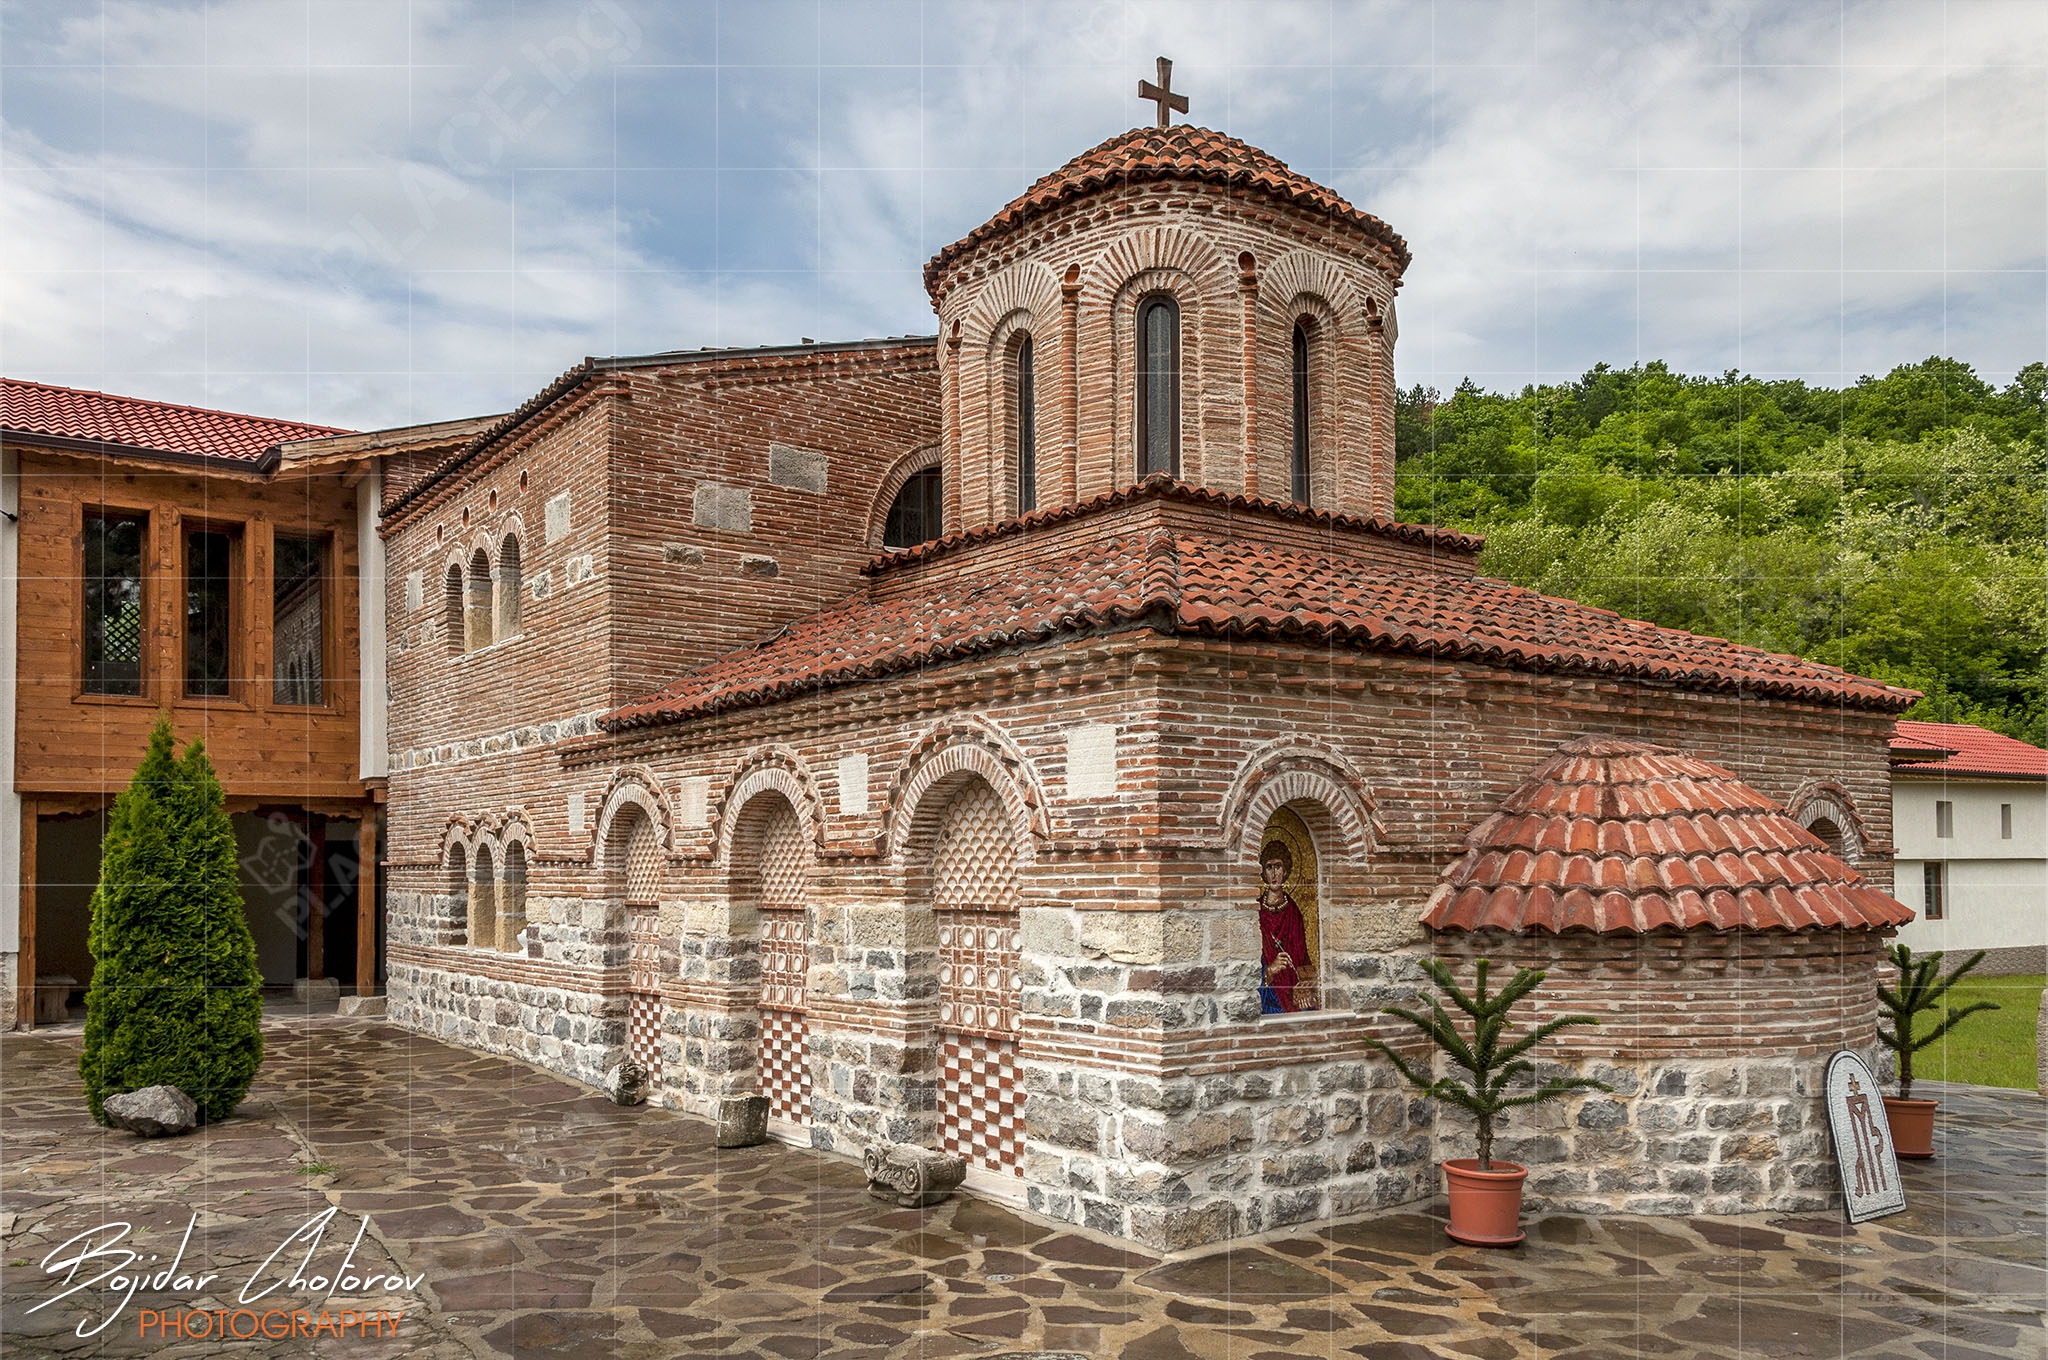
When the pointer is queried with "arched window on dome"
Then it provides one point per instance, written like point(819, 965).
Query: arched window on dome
point(1024, 415)
point(510, 584)
point(1301, 483)
point(452, 622)
point(1159, 386)
point(917, 513)
point(476, 632)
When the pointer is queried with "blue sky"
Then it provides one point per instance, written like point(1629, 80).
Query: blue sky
point(369, 212)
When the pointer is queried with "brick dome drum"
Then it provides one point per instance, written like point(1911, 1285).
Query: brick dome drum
point(1618, 836)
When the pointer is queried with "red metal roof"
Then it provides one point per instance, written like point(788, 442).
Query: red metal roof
point(1618, 836)
point(1974, 751)
point(1181, 152)
point(1224, 585)
point(132, 424)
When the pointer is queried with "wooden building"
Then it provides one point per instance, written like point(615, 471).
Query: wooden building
point(165, 559)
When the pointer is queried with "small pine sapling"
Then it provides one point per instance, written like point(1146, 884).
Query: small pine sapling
point(1921, 988)
point(1494, 1060)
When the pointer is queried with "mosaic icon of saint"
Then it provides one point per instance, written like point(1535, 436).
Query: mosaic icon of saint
point(1290, 970)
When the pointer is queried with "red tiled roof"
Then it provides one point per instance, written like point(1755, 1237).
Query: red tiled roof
point(1618, 836)
point(130, 423)
point(1181, 152)
point(1226, 586)
point(1973, 750)
point(1163, 487)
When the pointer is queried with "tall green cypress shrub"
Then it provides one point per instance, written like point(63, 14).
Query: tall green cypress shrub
point(176, 996)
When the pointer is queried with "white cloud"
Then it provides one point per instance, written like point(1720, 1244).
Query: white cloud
point(376, 212)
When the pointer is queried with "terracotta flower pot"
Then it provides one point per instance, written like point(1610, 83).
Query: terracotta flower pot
point(1912, 1123)
point(1486, 1206)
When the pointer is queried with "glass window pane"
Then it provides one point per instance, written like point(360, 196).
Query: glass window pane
point(1027, 431)
point(1301, 487)
point(1159, 388)
point(916, 515)
point(297, 641)
point(208, 617)
point(113, 604)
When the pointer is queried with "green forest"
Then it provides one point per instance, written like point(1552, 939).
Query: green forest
point(1896, 527)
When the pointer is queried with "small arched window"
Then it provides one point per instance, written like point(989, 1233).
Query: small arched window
point(512, 901)
point(451, 611)
point(458, 894)
point(1301, 412)
point(916, 515)
point(483, 900)
point(1830, 834)
point(1159, 386)
point(509, 586)
point(1023, 383)
point(476, 631)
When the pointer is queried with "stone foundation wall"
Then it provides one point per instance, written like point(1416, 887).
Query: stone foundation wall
point(1679, 1136)
point(576, 1034)
point(2016, 960)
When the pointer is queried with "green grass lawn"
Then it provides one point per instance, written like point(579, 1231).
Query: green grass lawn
point(1992, 1048)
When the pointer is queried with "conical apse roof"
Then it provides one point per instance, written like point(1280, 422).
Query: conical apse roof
point(1618, 836)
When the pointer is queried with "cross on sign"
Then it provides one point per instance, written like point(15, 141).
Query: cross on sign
point(1162, 94)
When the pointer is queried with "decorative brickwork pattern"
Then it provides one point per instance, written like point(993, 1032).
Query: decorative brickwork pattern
point(979, 977)
point(979, 1102)
point(643, 1001)
point(974, 866)
point(785, 1065)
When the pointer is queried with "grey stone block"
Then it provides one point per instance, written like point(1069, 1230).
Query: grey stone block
point(742, 1122)
point(714, 505)
point(316, 991)
point(626, 1083)
point(798, 469)
point(153, 1112)
point(364, 1007)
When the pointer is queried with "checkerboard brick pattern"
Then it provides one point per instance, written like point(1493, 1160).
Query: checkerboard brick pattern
point(785, 1066)
point(978, 1102)
point(643, 1000)
point(785, 960)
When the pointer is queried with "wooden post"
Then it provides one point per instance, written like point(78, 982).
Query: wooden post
point(316, 893)
point(25, 959)
point(366, 902)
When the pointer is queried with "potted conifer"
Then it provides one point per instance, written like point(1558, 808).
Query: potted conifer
point(1921, 989)
point(176, 996)
point(1486, 1195)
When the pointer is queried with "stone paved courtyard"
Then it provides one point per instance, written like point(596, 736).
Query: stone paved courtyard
point(548, 1223)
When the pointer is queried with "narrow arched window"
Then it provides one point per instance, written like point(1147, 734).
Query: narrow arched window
point(483, 900)
point(1301, 412)
point(476, 630)
point(512, 901)
point(451, 611)
point(1024, 379)
point(509, 586)
point(1159, 387)
point(457, 918)
point(915, 515)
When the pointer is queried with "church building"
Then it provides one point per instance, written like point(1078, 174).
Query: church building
point(1039, 741)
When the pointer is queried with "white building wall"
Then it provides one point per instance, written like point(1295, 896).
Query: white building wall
point(1997, 887)
point(10, 800)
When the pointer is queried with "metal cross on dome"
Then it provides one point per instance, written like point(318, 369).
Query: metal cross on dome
point(1163, 95)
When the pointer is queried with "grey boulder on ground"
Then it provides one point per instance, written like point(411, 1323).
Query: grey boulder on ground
point(362, 1007)
point(742, 1122)
point(153, 1112)
point(912, 1176)
point(626, 1083)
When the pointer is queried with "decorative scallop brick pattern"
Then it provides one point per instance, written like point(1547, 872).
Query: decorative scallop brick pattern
point(1611, 835)
point(974, 865)
point(784, 860)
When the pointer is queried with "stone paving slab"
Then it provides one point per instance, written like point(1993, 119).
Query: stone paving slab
point(547, 1222)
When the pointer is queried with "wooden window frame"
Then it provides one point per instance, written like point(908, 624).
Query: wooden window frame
point(330, 684)
point(238, 593)
point(147, 680)
point(1934, 890)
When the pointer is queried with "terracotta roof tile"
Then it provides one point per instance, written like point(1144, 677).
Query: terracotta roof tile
point(1706, 850)
point(1182, 152)
point(1234, 588)
point(1973, 750)
point(130, 423)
